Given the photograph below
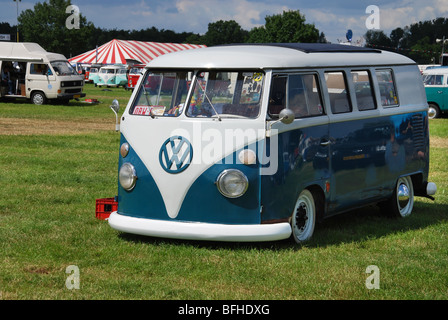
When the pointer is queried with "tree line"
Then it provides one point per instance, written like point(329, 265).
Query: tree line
point(46, 25)
point(417, 41)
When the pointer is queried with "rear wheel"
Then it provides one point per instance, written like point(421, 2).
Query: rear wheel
point(303, 218)
point(402, 201)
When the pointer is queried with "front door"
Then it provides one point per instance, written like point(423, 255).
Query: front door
point(302, 147)
point(40, 77)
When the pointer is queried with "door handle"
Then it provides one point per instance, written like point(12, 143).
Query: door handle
point(325, 143)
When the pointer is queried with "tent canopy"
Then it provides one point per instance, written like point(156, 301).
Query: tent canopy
point(129, 51)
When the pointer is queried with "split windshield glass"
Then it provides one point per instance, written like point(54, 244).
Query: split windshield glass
point(214, 94)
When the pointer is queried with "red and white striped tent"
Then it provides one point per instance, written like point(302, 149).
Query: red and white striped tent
point(128, 51)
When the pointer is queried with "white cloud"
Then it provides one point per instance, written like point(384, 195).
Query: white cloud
point(194, 16)
point(442, 6)
point(331, 17)
point(391, 18)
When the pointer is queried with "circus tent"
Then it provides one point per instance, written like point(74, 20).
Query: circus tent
point(129, 52)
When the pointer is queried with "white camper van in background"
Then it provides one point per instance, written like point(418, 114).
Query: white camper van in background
point(28, 71)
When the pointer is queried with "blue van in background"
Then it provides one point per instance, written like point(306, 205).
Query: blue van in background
point(436, 87)
point(112, 76)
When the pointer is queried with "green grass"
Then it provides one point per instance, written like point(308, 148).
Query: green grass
point(49, 183)
point(79, 110)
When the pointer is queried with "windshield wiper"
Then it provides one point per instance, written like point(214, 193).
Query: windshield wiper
point(206, 96)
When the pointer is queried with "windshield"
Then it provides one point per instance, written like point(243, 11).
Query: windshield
point(63, 68)
point(217, 94)
point(111, 71)
point(136, 71)
point(433, 79)
point(224, 94)
point(162, 94)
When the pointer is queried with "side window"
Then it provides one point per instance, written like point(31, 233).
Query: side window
point(298, 92)
point(388, 91)
point(277, 99)
point(38, 68)
point(363, 90)
point(338, 93)
point(304, 95)
point(433, 80)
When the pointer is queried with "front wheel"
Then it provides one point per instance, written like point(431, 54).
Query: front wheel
point(303, 218)
point(38, 98)
point(433, 111)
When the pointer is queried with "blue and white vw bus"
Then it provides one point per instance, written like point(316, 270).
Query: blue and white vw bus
point(112, 76)
point(435, 81)
point(258, 142)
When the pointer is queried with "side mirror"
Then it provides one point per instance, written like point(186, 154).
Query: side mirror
point(115, 106)
point(286, 116)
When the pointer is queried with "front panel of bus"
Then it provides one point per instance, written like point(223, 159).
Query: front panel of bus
point(190, 143)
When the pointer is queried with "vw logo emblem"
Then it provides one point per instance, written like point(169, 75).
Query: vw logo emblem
point(175, 154)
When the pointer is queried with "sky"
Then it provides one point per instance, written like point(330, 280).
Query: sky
point(333, 18)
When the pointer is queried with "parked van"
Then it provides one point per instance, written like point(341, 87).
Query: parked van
point(93, 73)
point(134, 75)
point(112, 76)
point(258, 142)
point(436, 87)
point(28, 71)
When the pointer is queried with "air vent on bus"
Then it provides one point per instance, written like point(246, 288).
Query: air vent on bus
point(418, 131)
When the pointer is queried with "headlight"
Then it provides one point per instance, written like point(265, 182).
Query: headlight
point(127, 176)
point(232, 183)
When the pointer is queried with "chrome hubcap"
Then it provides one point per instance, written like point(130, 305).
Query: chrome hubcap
point(403, 196)
point(301, 217)
point(431, 113)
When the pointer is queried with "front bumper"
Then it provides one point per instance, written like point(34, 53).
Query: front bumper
point(199, 230)
point(71, 95)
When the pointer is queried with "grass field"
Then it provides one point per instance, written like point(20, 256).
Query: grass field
point(57, 159)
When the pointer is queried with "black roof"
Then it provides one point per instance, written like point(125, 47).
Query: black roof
point(317, 47)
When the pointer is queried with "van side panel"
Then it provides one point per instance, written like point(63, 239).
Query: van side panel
point(369, 155)
point(439, 96)
point(369, 151)
point(358, 162)
point(412, 96)
point(302, 162)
